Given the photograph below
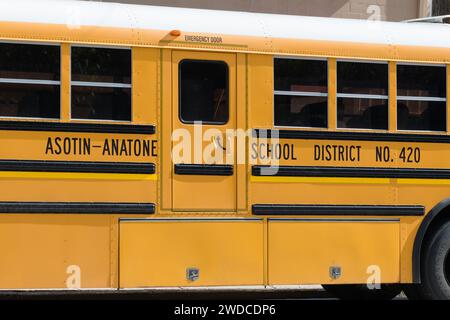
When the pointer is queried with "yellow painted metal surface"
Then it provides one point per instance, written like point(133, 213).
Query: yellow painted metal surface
point(202, 193)
point(332, 94)
point(65, 111)
point(260, 91)
point(302, 252)
point(158, 253)
point(392, 96)
point(55, 251)
point(145, 85)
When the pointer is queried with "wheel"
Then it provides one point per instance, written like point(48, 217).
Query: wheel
point(435, 265)
point(361, 292)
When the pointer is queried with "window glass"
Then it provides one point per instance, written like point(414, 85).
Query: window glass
point(362, 95)
point(300, 75)
point(101, 83)
point(101, 103)
point(29, 81)
point(421, 98)
point(421, 81)
point(301, 88)
point(25, 61)
point(203, 91)
point(29, 100)
point(421, 115)
point(101, 65)
point(362, 78)
point(361, 113)
point(294, 111)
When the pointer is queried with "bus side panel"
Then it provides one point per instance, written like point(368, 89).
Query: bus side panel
point(302, 252)
point(158, 253)
point(55, 251)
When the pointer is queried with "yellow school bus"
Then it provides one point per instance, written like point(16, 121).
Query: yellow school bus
point(147, 147)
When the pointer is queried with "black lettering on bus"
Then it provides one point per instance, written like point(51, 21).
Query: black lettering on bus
point(66, 145)
point(106, 150)
point(147, 148)
point(410, 155)
point(383, 154)
point(49, 147)
point(129, 146)
point(137, 148)
point(154, 145)
point(115, 147)
point(335, 153)
point(341, 153)
point(86, 146)
point(123, 148)
point(58, 145)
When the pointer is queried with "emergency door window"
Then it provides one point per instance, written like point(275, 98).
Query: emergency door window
point(203, 91)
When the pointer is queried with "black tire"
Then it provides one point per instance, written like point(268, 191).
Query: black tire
point(435, 265)
point(361, 292)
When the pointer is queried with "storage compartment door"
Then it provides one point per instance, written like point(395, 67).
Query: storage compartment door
point(191, 252)
point(303, 251)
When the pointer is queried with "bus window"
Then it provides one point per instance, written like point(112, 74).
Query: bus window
point(203, 91)
point(301, 91)
point(362, 95)
point(421, 98)
point(101, 83)
point(30, 81)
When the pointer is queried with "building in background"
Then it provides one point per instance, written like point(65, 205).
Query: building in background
point(388, 10)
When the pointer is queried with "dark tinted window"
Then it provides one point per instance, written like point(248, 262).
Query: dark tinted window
point(101, 65)
point(25, 61)
point(101, 103)
point(421, 98)
point(421, 81)
point(301, 75)
point(362, 95)
point(29, 100)
point(362, 78)
point(101, 84)
point(30, 85)
point(203, 91)
point(301, 111)
point(301, 88)
point(421, 115)
point(362, 113)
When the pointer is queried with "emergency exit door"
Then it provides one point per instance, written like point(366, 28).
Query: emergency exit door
point(203, 123)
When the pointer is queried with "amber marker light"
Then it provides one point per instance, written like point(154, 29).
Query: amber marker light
point(175, 33)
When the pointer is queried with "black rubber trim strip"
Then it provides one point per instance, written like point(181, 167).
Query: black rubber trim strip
point(204, 169)
point(77, 207)
point(191, 219)
point(77, 166)
point(364, 172)
point(77, 127)
point(355, 136)
point(336, 210)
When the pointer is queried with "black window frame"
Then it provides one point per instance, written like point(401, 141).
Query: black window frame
point(111, 85)
point(302, 93)
point(227, 74)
